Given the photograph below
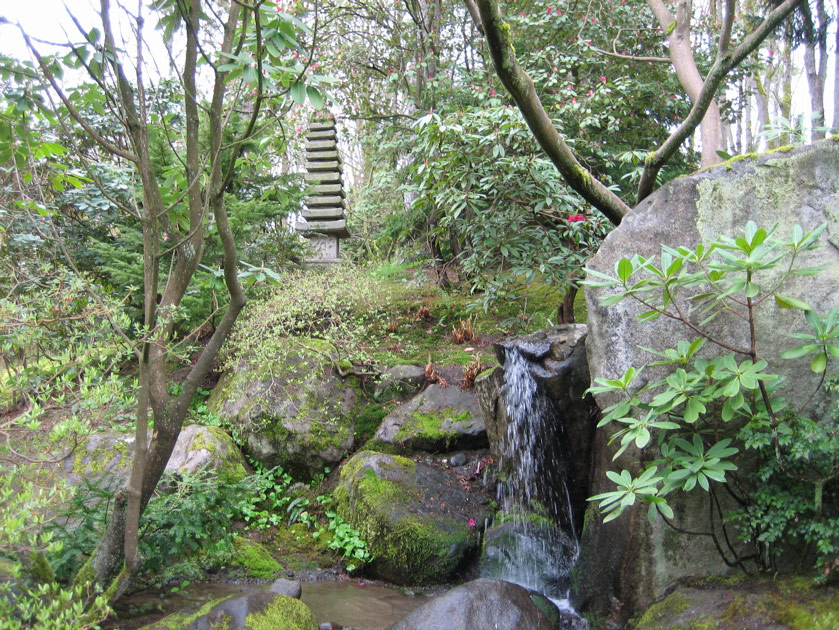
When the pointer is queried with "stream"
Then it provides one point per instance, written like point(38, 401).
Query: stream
point(353, 604)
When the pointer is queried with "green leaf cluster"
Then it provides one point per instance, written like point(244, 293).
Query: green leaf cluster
point(719, 400)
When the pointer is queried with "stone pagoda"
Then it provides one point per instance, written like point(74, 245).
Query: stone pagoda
point(324, 222)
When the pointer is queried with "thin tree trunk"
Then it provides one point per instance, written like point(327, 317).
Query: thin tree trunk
point(684, 63)
point(815, 62)
point(836, 78)
point(120, 541)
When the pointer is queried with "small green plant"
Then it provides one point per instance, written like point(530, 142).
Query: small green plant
point(344, 539)
point(711, 408)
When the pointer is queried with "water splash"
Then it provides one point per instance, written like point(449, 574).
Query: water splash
point(534, 542)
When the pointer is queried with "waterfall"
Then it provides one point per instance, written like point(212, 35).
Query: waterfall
point(534, 543)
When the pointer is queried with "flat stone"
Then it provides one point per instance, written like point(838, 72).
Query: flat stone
point(321, 134)
point(321, 125)
point(328, 189)
point(438, 419)
point(323, 213)
point(317, 145)
point(326, 201)
point(323, 154)
point(338, 228)
point(326, 165)
point(325, 176)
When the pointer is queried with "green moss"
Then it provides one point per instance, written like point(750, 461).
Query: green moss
point(709, 581)
point(284, 612)
point(378, 446)
point(368, 420)
point(182, 620)
point(232, 468)
point(589, 518)
point(428, 426)
point(407, 547)
point(99, 460)
point(667, 608)
point(782, 149)
point(255, 559)
point(746, 602)
point(299, 551)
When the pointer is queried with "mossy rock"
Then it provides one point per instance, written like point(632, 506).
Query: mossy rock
point(254, 559)
point(414, 517)
point(745, 604)
point(399, 382)
point(104, 458)
point(254, 610)
point(439, 419)
point(294, 411)
point(199, 447)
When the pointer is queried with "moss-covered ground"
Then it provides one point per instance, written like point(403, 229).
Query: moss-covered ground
point(745, 603)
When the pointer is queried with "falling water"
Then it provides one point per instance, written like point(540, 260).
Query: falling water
point(537, 545)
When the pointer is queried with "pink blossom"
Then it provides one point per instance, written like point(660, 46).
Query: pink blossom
point(602, 78)
point(574, 218)
point(550, 9)
point(472, 522)
point(493, 92)
point(591, 92)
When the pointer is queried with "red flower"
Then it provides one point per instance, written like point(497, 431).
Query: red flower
point(573, 218)
point(472, 522)
point(549, 9)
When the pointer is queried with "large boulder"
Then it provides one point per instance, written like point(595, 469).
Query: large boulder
point(295, 412)
point(419, 521)
point(479, 605)
point(438, 419)
point(101, 458)
point(105, 458)
point(627, 563)
point(748, 604)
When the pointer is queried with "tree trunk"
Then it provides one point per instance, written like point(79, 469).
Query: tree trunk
point(565, 312)
point(681, 54)
point(836, 79)
point(815, 62)
point(120, 541)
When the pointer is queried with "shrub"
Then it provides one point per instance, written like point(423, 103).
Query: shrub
point(707, 410)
